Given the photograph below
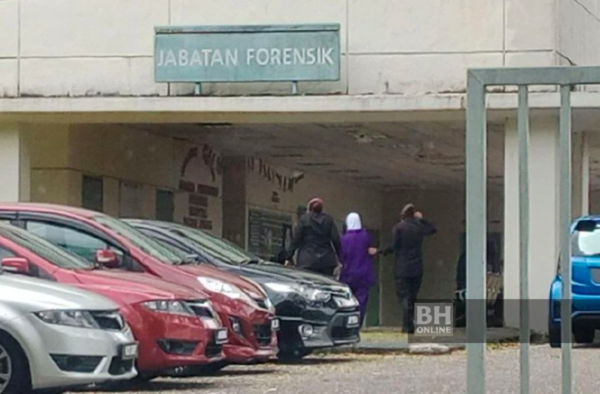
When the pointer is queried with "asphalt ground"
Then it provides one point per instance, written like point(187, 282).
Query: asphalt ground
point(400, 373)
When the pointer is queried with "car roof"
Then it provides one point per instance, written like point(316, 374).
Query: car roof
point(48, 208)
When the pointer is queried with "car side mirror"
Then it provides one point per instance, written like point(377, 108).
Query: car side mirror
point(107, 258)
point(17, 265)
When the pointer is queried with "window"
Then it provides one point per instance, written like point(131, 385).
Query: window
point(5, 253)
point(586, 243)
point(131, 200)
point(165, 205)
point(74, 241)
point(92, 193)
point(147, 245)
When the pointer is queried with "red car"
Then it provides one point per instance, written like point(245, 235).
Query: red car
point(242, 305)
point(175, 326)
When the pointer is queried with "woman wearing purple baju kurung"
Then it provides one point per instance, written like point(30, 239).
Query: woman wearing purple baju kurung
point(357, 266)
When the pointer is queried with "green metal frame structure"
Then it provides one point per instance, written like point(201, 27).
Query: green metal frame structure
point(476, 146)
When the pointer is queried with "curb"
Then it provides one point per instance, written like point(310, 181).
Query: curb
point(428, 349)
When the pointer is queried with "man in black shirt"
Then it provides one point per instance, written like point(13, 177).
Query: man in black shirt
point(408, 268)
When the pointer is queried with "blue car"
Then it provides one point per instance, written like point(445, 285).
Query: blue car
point(585, 277)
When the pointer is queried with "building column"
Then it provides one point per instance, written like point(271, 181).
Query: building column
point(234, 200)
point(543, 220)
point(15, 171)
point(543, 209)
point(580, 187)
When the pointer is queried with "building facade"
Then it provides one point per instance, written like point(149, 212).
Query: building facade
point(83, 122)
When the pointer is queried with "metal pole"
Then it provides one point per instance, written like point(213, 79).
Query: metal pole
point(523, 134)
point(565, 234)
point(476, 150)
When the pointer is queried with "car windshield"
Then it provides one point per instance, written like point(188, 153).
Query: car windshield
point(46, 250)
point(586, 243)
point(146, 244)
point(216, 247)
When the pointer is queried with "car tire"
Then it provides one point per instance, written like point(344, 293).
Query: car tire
point(584, 336)
point(14, 367)
point(554, 336)
point(143, 378)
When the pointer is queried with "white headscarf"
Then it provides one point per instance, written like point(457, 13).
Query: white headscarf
point(353, 222)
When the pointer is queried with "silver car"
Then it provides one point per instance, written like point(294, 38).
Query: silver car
point(56, 336)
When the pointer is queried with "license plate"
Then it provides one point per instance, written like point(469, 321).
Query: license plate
point(275, 324)
point(221, 336)
point(352, 321)
point(129, 351)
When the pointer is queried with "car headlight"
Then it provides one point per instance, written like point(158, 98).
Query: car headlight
point(169, 306)
point(227, 289)
point(82, 319)
point(346, 302)
point(310, 293)
point(269, 305)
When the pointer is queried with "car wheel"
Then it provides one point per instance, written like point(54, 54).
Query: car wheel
point(584, 336)
point(554, 336)
point(143, 378)
point(14, 368)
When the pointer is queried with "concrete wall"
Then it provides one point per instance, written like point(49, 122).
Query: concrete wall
point(595, 202)
point(105, 47)
point(120, 154)
point(340, 198)
point(579, 32)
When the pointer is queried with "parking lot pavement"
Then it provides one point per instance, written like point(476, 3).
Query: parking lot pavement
point(354, 374)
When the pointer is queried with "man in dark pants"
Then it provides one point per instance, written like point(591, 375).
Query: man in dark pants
point(317, 240)
point(408, 269)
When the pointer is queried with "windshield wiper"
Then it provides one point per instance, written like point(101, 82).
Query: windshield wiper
point(250, 262)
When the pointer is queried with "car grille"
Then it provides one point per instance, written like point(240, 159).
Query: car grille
point(119, 366)
point(263, 333)
point(213, 349)
point(201, 308)
point(340, 333)
point(109, 320)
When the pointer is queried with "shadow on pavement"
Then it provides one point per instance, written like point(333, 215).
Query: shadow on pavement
point(234, 372)
point(315, 361)
point(153, 386)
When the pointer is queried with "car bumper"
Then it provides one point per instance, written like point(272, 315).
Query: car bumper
point(585, 311)
point(160, 333)
point(255, 341)
point(315, 334)
point(46, 345)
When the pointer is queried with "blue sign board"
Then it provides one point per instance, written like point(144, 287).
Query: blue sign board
point(247, 53)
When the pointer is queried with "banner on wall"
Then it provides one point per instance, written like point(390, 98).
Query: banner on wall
point(268, 232)
point(199, 177)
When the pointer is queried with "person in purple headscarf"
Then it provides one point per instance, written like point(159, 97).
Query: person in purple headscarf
point(356, 259)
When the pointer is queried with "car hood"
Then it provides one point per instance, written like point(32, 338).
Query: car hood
point(215, 273)
point(37, 295)
point(293, 274)
point(140, 283)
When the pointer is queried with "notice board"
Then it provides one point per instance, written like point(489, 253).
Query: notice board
point(267, 232)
